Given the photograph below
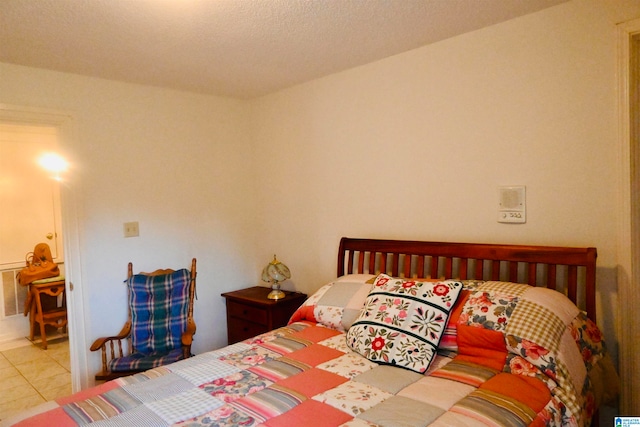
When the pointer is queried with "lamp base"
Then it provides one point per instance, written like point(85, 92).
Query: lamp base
point(276, 294)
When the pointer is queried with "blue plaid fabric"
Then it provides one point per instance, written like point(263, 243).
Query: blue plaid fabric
point(141, 362)
point(159, 306)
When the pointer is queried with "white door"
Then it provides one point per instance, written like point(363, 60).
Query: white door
point(29, 214)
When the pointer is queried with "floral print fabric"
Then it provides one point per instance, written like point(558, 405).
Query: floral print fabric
point(306, 374)
point(402, 321)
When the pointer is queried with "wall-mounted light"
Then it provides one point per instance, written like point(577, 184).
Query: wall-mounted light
point(54, 163)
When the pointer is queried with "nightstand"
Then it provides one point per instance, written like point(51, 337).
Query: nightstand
point(250, 313)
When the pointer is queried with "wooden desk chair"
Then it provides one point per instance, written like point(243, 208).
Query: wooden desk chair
point(46, 312)
point(160, 327)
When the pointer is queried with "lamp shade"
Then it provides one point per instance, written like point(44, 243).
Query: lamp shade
point(274, 273)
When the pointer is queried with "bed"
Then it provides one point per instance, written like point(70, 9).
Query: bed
point(408, 334)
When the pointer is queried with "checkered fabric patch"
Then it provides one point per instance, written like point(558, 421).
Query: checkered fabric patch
point(139, 417)
point(184, 405)
point(537, 324)
point(206, 371)
point(508, 288)
point(192, 361)
point(567, 393)
point(230, 349)
point(158, 388)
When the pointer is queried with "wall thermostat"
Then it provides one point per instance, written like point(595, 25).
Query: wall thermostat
point(512, 204)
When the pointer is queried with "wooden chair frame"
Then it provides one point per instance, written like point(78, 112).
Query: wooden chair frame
point(56, 317)
point(112, 347)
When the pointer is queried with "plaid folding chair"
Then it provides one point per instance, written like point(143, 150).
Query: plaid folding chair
point(160, 327)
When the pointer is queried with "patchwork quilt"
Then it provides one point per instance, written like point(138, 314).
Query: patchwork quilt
point(498, 353)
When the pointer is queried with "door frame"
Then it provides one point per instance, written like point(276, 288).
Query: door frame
point(628, 220)
point(69, 191)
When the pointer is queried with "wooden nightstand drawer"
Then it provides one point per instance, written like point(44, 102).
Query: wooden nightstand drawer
point(250, 313)
point(247, 312)
point(240, 330)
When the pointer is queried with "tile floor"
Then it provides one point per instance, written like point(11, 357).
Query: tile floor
point(30, 375)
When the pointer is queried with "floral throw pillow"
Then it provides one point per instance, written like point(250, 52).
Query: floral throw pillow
point(402, 321)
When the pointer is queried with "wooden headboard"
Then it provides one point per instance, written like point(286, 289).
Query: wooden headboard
point(568, 270)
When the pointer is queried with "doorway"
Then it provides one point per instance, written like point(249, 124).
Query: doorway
point(64, 124)
point(31, 214)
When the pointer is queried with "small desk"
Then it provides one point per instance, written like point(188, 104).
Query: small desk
point(44, 315)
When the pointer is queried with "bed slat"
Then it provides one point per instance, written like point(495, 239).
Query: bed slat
point(463, 268)
point(420, 267)
point(572, 286)
point(434, 267)
point(533, 274)
point(513, 272)
point(495, 270)
point(552, 277)
point(479, 268)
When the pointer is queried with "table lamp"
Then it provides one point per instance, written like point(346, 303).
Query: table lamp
point(274, 273)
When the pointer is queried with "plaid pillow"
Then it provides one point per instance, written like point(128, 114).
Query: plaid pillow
point(159, 306)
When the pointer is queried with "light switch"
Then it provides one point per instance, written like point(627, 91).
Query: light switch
point(131, 229)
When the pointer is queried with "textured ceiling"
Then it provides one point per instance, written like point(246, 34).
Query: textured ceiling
point(237, 48)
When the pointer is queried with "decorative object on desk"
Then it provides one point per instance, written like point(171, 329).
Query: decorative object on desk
point(274, 273)
point(39, 265)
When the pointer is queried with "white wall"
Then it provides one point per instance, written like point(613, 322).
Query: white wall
point(415, 146)
point(412, 146)
point(177, 163)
